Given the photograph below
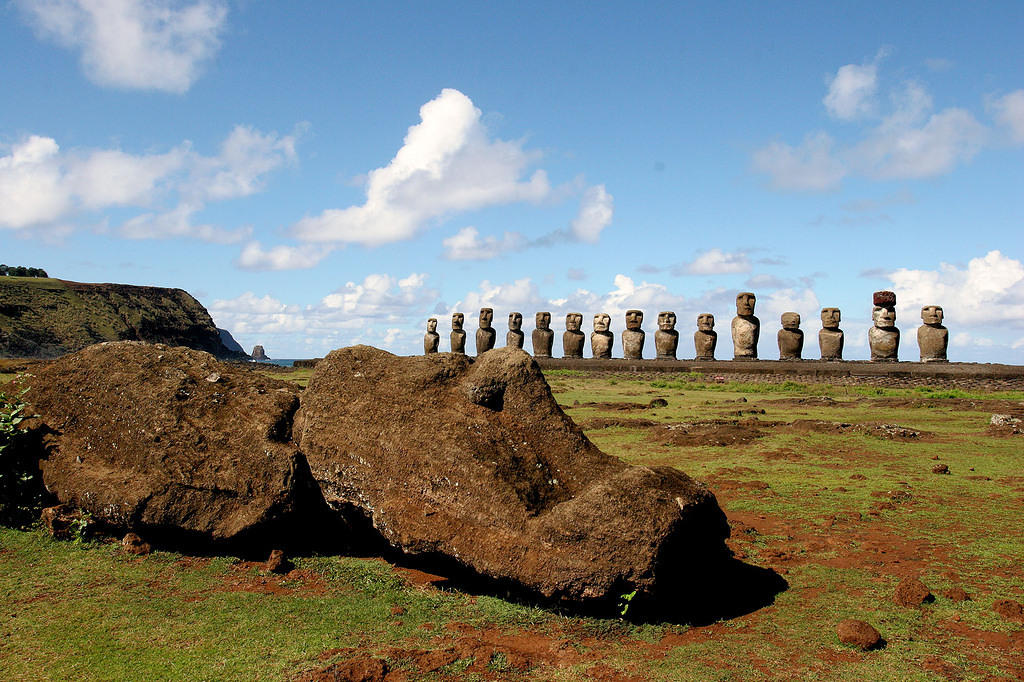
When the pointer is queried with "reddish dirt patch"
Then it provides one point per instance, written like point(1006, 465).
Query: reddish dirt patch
point(719, 433)
point(1008, 608)
point(419, 578)
point(598, 423)
point(361, 669)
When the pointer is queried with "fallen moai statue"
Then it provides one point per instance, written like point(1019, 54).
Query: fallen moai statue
point(476, 462)
point(167, 440)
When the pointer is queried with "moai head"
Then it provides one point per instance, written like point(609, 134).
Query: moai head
point(515, 321)
point(830, 318)
point(457, 320)
point(931, 314)
point(432, 325)
point(745, 301)
point(543, 320)
point(791, 321)
point(884, 317)
point(486, 316)
point(602, 321)
point(705, 322)
point(634, 319)
point(573, 322)
point(666, 321)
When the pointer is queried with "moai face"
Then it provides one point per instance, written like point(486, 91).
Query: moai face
point(666, 321)
point(457, 320)
point(432, 325)
point(602, 321)
point(791, 321)
point(634, 319)
point(931, 314)
point(543, 320)
point(745, 301)
point(515, 321)
point(573, 322)
point(486, 316)
point(883, 317)
point(830, 318)
point(705, 322)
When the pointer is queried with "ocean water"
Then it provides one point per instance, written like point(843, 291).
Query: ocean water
point(282, 362)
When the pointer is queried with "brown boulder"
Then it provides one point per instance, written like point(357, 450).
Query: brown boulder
point(140, 436)
point(476, 462)
point(911, 593)
point(131, 543)
point(859, 634)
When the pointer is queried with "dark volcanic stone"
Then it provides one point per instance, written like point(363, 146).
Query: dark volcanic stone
point(140, 437)
point(911, 593)
point(476, 462)
point(859, 634)
point(277, 562)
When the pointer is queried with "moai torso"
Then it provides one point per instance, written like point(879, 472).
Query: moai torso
point(515, 337)
point(458, 335)
point(633, 336)
point(705, 338)
point(543, 336)
point(666, 339)
point(431, 340)
point(573, 339)
point(745, 328)
point(830, 338)
point(790, 337)
point(485, 335)
point(932, 337)
point(884, 337)
point(601, 339)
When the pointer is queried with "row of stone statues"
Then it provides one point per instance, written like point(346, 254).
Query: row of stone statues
point(883, 337)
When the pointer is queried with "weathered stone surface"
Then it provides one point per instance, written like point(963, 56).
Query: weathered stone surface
point(458, 335)
point(911, 593)
point(277, 562)
point(66, 521)
point(543, 336)
point(572, 338)
point(705, 338)
point(858, 633)
point(138, 437)
point(475, 461)
point(932, 337)
point(790, 337)
point(431, 340)
point(485, 335)
point(258, 353)
point(633, 336)
point(666, 339)
point(884, 337)
point(746, 328)
point(830, 338)
point(886, 299)
point(131, 543)
point(515, 336)
point(602, 340)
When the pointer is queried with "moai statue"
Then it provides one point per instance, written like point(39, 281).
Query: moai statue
point(573, 339)
point(745, 328)
point(932, 337)
point(485, 335)
point(705, 338)
point(830, 338)
point(515, 336)
point(884, 337)
point(791, 338)
point(431, 340)
point(601, 339)
point(666, 339)
point(633, 336)
point(458, 336)
point(543, 336)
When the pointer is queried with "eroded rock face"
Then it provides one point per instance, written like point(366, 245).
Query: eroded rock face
point(156, 439)
point(475, 461)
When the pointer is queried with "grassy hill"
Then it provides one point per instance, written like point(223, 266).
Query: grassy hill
point(44, 317)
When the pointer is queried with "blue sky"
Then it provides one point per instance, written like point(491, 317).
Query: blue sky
point(320, 174)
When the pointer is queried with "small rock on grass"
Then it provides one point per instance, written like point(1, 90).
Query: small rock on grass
point(940, 469)
point(1008, 608)
point(911, 593)
point(859, 634)
point(278, 562)
point(133, 544)
point(658, 402)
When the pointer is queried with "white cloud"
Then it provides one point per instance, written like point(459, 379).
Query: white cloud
point(851, 90)
point(466, 244)
point(447, 164)
point(595, 214)
point(810, 166)
point(41, 185)
point(989, 290)
point(253, 257)
point(715, 262)
point(134, 44)
point(1009, 113)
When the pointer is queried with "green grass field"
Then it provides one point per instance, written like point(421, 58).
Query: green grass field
point(819, 487)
